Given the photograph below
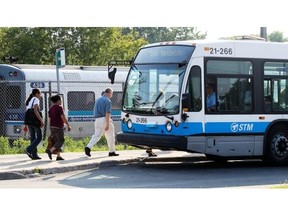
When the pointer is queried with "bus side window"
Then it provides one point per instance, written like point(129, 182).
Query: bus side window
point(248, 101)
point(268, 103)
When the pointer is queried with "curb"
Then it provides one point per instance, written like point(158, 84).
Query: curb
point(37, 172)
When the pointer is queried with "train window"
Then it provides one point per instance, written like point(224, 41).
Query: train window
point(80, 100)
point(14, 99)
point(117, 100)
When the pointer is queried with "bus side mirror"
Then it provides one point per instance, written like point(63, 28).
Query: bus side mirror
point(111, 75)
point(186, 102)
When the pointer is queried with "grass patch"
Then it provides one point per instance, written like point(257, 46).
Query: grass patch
point(282, 186)
point(70, 145)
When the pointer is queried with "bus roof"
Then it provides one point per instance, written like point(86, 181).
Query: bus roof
point(233, 48)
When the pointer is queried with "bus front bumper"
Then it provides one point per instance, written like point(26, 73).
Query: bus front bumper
point(164, 142)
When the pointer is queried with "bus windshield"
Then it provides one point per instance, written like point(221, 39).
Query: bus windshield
point(155, 79)
point(154, 89)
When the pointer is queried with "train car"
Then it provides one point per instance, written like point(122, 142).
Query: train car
point(79, 87)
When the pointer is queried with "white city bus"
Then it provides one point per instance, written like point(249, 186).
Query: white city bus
point(164, 99)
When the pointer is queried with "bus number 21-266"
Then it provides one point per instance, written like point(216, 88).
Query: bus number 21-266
point(221, 51)
point(141, 120)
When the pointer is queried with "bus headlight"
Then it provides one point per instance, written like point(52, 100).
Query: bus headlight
point(168, 126)
point(129, 124)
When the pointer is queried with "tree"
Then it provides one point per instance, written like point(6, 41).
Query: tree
point(159, 34)
point(187, 33)
point(28, 44)
point(83, 46)
point(276, 36)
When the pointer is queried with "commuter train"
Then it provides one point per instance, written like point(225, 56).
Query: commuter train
point(78, 86)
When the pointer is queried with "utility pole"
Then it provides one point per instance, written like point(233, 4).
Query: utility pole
point(263, 32)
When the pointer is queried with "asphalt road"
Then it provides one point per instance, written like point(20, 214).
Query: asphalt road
point(166, 174)
point(177, 187)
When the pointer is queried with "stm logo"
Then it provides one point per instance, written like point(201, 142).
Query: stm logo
point(242, 127)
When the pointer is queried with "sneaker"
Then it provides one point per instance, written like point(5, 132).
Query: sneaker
point(36, 158)
point(152, 154)
point(29, 154)
point(59, 158)
point(148, 151)
point(112, 154)
point(49, 153)
point(87, 151)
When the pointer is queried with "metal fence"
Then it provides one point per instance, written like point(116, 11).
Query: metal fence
point(78, 100)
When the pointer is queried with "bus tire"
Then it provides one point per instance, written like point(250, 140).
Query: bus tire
point(276, 151)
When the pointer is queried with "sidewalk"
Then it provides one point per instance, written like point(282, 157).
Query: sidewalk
point(20, 166)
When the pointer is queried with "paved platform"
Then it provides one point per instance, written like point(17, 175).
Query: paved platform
point(21, 166)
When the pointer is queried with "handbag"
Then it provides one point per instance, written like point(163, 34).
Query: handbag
point(30, 117)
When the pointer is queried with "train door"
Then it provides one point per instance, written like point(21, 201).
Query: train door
point(45, 104)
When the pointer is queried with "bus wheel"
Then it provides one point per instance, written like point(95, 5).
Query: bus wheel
point(216, 158)
point(277, 146)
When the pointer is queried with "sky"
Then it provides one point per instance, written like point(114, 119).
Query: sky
point(221, 18)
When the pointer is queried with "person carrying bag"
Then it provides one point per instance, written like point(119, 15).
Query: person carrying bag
point(33, 118)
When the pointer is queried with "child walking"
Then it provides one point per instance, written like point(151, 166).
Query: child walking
point(57, 121)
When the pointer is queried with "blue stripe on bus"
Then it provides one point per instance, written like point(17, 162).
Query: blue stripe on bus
point(183, 129)
point(236, 127)
point(193, 128)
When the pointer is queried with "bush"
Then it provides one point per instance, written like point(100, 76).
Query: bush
point(4, 145)
point(70, 145)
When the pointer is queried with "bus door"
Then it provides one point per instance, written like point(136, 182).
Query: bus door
point(195, 115)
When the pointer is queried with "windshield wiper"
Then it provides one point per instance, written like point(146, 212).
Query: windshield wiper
point(157, 98)
point(162, 110)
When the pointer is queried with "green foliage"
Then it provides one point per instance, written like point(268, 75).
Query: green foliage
point(18, 146)
point(277, 36)
point(4, 145)
point(158, 34)
point(70, 145)
point(84, 46)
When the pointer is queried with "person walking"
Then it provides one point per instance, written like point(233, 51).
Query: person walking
point(103, 123)
point(33, 102)
point(57, 120)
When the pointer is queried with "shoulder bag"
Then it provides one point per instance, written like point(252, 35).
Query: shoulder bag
point(30, 117)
